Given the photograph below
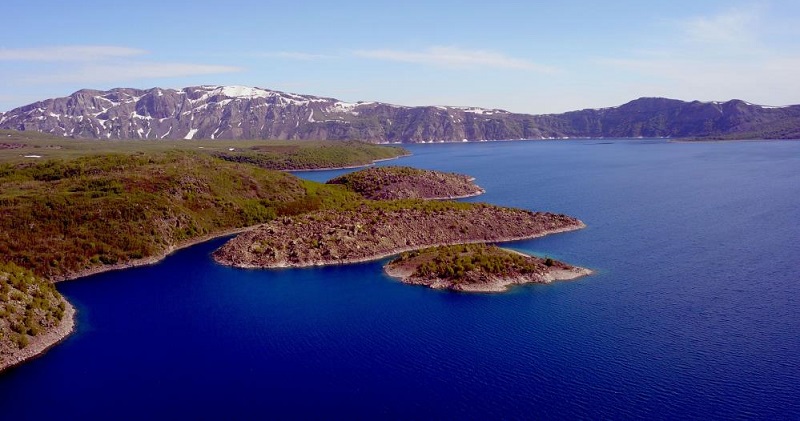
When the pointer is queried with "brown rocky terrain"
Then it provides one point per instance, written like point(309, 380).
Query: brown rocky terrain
point(477, 268)
point(372, 230)
point(390, 183)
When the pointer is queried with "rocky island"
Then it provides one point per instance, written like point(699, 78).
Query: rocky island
point(477, 268)
point(372, 230)
point(389, 183)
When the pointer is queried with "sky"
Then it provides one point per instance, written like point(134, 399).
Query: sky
point(521, 56)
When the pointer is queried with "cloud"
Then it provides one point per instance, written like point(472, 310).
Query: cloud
point(293, 55)
point(717, 57)
point(99, 64)
point(454, 57)
point(731, 27)
point(68, 53)
point(119, 72)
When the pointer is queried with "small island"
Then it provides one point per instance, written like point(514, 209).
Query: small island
point(477, 268)
point(373, 230)
point(390, 183)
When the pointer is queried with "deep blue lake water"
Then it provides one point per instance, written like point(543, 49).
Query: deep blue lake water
point(693, 313)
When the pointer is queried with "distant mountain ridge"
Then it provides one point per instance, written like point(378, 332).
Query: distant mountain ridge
point(237, 112)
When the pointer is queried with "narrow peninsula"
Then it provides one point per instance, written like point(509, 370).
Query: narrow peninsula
point(372, 230)
point(477, 268)
point(390, 183)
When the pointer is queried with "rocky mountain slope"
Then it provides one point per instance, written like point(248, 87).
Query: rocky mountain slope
point(236, 112)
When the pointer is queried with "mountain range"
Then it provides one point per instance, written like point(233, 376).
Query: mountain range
point(237, 112)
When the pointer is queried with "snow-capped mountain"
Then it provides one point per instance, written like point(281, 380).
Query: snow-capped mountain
point(238, 112)
point(235, 112)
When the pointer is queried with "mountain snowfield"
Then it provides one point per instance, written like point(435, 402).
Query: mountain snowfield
point(240, 112)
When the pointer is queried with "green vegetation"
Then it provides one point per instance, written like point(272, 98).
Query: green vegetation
point(393, 182)
point(59, 217)
point(270, 154)
point(28, 306)
point(311, 155)
point(456, 263)
point(372, 180)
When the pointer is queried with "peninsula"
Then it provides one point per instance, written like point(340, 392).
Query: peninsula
point(389, 183)
point(477, 268)
point(72, 208)
point(372, 230)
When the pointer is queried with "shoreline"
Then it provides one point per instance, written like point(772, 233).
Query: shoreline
point(152, 259)
point(496, 285)
point(40, 344)
point(349, 167)
point(284, 264)
point(463, 196)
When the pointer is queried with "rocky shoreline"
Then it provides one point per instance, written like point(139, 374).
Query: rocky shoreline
point(371, 232)
point(494, 284)
point(477, 268)
point(41, 343)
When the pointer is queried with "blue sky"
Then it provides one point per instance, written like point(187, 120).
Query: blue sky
point(519, 56)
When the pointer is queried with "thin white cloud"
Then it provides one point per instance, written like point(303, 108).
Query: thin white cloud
point(734, 26)
point(718, 57)
point(293, 55)
point(117, 73)
point(68, 53)
point(454, 57)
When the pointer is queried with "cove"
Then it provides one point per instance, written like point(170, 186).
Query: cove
point(692, 311)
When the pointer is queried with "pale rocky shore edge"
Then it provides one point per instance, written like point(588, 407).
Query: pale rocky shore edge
point(463, 196)
point(39, 344)
point(498, 284)
point(285, 264)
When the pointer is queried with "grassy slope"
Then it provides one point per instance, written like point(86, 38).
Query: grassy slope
point(271, 154)
point(61, 217)
point(456, 263)
point(394, 182)
point(28, 306)
point(85, 205)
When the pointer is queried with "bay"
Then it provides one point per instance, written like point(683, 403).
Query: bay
point(692, 312)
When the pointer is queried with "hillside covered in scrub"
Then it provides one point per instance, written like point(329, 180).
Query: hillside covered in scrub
point(477, 268)
point(31, 313)
point(63, 218)
point(29, 146)
point(389, 183)
point(375, 229)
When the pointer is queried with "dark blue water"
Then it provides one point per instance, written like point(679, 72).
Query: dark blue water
point(693, 312)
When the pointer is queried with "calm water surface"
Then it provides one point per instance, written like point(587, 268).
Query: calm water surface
point(693, 312)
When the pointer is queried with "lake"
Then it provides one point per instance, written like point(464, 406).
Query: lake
point(693, 312)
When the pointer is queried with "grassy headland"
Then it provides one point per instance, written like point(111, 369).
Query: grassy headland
point(60, 218)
